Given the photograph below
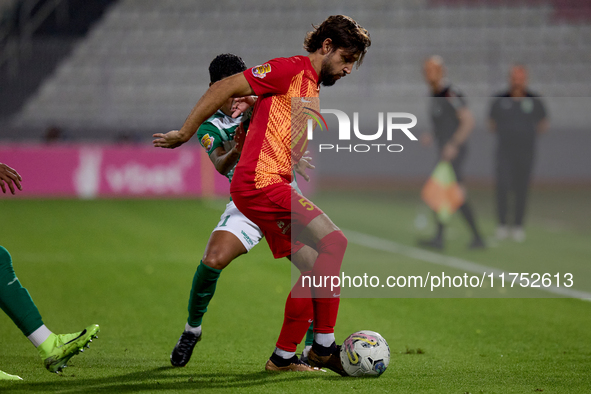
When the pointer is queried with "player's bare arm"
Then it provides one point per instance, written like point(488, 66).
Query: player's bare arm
point(211, 101)
point(224, 161)
point(9, 176)
point(451, 149)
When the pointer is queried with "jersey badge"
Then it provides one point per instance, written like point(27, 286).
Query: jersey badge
point(527, 105)
point(261, 71)
point(207, 142)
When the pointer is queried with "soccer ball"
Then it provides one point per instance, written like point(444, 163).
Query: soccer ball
point(365, 353)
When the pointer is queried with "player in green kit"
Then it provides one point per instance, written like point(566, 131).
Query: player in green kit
point(55, 350)
point(235, 234)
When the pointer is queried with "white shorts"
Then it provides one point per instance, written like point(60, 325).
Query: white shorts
point(232, 220)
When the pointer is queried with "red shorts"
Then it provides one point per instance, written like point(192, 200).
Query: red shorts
point(280, 212)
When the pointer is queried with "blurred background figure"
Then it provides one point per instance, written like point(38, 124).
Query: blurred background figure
point(517, 116)
point(54, 134)
point(452, 125)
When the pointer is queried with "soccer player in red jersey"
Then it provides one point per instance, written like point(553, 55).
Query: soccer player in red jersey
point(261, 185)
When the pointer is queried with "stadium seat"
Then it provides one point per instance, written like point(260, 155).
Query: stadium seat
point(145, 63)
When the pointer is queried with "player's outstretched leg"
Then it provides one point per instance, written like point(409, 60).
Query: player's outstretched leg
point(58, 349)
point(202, 291)
point(298, 315)
point(6, 376)
point(222, 247)
point(15, 301)
point(325, 353)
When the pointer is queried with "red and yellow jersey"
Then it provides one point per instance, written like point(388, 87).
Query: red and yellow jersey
point(287, 90)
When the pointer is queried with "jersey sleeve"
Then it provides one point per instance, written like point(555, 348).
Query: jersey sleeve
point(209, 137)
point(273, 77)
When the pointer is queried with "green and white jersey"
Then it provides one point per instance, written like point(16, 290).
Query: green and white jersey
point(219, 130)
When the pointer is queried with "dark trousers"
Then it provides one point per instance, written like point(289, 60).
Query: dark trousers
point(465, 209)
point(513, 178)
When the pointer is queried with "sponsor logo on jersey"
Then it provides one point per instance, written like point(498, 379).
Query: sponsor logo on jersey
point(283, 227)
point(207, 142)
point(261, 71)
point(286, 229)
point(247, 238)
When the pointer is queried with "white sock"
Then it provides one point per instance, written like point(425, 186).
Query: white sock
point(324, 339)
point(39, 335)
point(194, 330)
point(283, 354)
point(306, 350)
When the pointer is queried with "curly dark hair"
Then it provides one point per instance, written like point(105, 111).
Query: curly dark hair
point(344, 32)
point(224, 66)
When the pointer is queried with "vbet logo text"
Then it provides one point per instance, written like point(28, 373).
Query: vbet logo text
point(395, 121)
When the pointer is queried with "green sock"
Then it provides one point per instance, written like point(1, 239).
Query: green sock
point(202, 292)
point(310, 335)
point(15, 300)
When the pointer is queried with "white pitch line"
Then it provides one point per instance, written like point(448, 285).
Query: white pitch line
point(385, 245)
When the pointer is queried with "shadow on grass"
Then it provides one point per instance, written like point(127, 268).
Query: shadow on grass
point(167, 378)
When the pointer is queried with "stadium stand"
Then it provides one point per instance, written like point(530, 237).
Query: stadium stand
point(144, 65)
point(6, 5)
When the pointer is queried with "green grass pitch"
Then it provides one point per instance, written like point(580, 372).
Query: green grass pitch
point(128, 264)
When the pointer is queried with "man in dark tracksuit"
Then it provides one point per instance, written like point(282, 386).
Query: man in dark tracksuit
point(452, 125)
point(516, 116)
